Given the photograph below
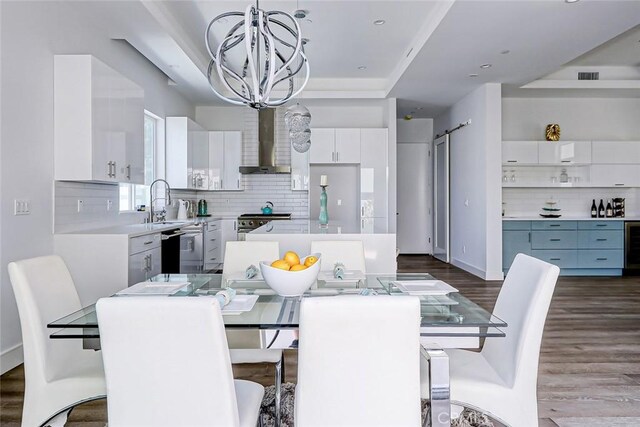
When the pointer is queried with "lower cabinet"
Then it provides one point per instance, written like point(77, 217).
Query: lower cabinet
point(588, 248)
point(144, 265)
point(212, 246)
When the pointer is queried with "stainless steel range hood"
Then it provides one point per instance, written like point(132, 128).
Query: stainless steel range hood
point(266, 146)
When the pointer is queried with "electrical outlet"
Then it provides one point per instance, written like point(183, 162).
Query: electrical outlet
point(80, 205)
point(109, 205)
point(21, 207)
point(339, 202)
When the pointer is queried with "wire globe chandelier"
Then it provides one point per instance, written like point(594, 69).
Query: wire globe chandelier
point(273, 54)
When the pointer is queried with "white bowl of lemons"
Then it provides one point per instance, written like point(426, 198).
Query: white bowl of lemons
point(291, 276)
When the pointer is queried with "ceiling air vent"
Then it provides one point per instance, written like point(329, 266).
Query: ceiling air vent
point(591, 75)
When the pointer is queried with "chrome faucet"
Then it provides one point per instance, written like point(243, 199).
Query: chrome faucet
point(162, 216)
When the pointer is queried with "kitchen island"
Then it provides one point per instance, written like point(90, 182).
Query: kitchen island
point(297, 235)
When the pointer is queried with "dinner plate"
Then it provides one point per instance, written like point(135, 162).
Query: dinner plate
point(153, 288)
point(240, 304)
point(424, 287)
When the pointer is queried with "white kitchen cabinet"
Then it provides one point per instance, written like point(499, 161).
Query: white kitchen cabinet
point(225, 158)
point(144, 265)
point(299, 170)
point(615, 175)
point(615, 152)
point(347, 146)
point(228, 233)
point(213, 245)
point(98, 122)
point(564, 152)
point(187, 154)
point(323, 146)
point(520, 152)
point(373, 173)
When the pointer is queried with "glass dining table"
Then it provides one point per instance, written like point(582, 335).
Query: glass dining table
point(448, 320)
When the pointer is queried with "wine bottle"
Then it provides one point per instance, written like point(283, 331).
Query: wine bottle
point(594, 209)
point(601, 209)
point(609, 209)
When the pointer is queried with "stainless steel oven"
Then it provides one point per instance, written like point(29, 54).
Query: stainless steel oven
point(632, 246)
point(249, 222)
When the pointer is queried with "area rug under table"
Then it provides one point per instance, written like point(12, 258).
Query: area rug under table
point(469, 418)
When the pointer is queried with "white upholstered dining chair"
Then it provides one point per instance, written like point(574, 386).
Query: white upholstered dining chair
point(348, 252)
point(167, 364)
point(59, 374)
point(237, 257)
point(358, 362)
point(501, 380)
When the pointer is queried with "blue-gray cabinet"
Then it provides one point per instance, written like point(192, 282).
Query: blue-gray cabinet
point(579, 248)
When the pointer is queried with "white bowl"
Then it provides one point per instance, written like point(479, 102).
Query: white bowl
point(290, 283)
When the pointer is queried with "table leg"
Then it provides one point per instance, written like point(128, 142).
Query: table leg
point(439, 394)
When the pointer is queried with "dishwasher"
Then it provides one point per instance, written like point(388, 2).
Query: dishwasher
point(192, 249)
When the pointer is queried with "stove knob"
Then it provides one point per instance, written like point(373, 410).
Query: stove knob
point(261, 222)
point(251, 223)
point(242, 223)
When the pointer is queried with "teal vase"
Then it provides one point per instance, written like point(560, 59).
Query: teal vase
point(324, 216)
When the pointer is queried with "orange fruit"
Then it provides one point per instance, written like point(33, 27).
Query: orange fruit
point(298, 267)
point(281, 264)
point(310, 260)
point(291, 257)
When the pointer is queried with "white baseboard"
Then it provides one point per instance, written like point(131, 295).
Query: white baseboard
point(11, 358)
point(468, 267)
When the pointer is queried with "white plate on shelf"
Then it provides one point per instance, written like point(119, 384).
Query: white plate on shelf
point(153, 288)
point(240, 304)
point(424, 287)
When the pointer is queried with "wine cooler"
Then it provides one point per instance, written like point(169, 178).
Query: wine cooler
point(632, 246)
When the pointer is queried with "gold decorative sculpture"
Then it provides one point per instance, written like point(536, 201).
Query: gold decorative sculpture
point(553, 132)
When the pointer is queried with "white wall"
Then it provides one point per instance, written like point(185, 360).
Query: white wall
point(579, 118)
point(414, 191)
point(31, 33)
point(476, 226)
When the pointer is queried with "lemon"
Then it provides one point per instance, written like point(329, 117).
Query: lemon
point(281, 264)
point(291, 257)
point(310, 260)
point(298, 267)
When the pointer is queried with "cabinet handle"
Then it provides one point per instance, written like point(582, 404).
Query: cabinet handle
point(128, 171)
point(554, 259)
point(565, 161)
point(512, 161)
point(601, 240)
point(149, 242)
point(213, 240)
point(619, 185)
point(109, 169)
point(114, 169)
point(234, 226)
point(554, 225)
point(601, 225)
point(554, 240)
point(362, 210)
point(601, 259)
point(238, 182)
point(337, 156)
point(333, 156)
point(529, 237)
point(363, 223)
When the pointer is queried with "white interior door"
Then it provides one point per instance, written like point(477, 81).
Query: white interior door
point(441, 198)
point(414, 199)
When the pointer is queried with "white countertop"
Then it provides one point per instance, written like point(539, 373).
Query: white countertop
point(134, 230)
point(567, 218)
point(305, 226)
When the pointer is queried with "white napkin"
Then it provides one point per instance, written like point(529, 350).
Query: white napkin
point(225, 296)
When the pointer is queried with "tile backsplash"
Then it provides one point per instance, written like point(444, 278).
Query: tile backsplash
point(572, 201)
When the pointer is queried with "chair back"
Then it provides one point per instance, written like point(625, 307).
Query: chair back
point(44, 292)
point(166, 362)
point(240, 255)
point(359, 362)
point(523, 303)
point(348, 252)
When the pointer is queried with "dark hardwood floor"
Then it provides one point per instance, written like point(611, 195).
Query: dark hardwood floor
point(589, 364)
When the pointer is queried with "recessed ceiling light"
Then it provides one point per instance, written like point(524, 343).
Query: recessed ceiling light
point(305, 41)
point(571, 1)
point(473, 75)
point(485, 66)
point(301, 13)
point(420, 108)
point(379, 22)
point(504, 52)
point(362, 67)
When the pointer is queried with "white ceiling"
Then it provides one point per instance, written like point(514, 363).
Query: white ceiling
point(422, 55)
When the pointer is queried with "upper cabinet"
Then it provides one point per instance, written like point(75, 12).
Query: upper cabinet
point(616, 152)
point(98, 122)
point(225, 158)
point(564, 152)
point(520, 152)
point(187, 154)
point(335, 146)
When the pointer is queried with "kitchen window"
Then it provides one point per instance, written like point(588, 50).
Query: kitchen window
point(132, 196)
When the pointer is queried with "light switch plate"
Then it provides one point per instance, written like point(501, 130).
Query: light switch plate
point(80, 205)
point(21, 207)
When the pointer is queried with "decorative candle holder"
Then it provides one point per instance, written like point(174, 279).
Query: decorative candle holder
point(324, 215)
